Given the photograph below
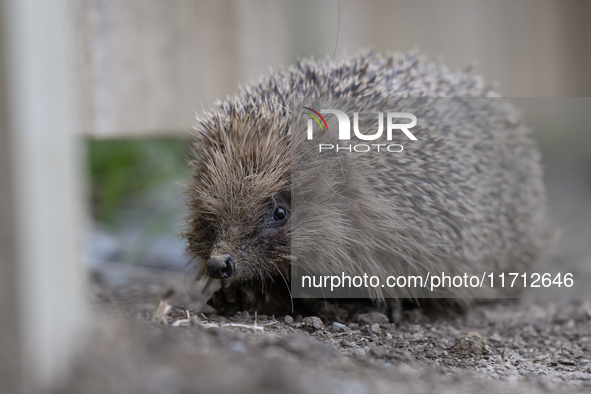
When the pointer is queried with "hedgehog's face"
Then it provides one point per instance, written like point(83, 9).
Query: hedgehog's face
point(250, 245)
point(239, 226)
point(240, 201)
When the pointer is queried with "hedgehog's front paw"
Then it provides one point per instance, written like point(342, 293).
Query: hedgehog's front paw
point(230, 299)
point(226, 300)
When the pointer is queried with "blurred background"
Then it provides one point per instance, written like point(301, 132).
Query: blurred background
point(126, 78)
point(146, 68)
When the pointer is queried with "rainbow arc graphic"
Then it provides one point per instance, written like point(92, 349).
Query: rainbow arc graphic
point(316, 117)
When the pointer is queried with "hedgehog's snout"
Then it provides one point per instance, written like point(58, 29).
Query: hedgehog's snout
point(220, 266)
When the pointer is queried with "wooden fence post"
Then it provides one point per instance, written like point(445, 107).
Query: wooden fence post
point(41, 272)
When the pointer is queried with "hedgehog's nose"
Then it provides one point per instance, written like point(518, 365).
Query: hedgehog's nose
point(220, 266)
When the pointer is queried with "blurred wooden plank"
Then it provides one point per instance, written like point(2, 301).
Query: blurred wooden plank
point(513, 43)
point(574, 41)
point(41, 265)
point(146, 66)
point(10, 355)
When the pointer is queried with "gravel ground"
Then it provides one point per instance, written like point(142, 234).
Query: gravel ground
point(526, 346)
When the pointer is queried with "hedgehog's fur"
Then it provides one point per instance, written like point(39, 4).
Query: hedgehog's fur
point(476, 191)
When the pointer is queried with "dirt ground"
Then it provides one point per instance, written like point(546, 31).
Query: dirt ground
point(526, 346)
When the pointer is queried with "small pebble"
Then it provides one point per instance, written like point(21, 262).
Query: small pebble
point(338, 327)
point(472, 343)
point(313, 323)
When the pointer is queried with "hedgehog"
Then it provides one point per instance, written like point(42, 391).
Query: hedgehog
point(467, 196)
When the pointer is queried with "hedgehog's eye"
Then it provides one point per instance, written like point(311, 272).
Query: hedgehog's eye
point(279, 215)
